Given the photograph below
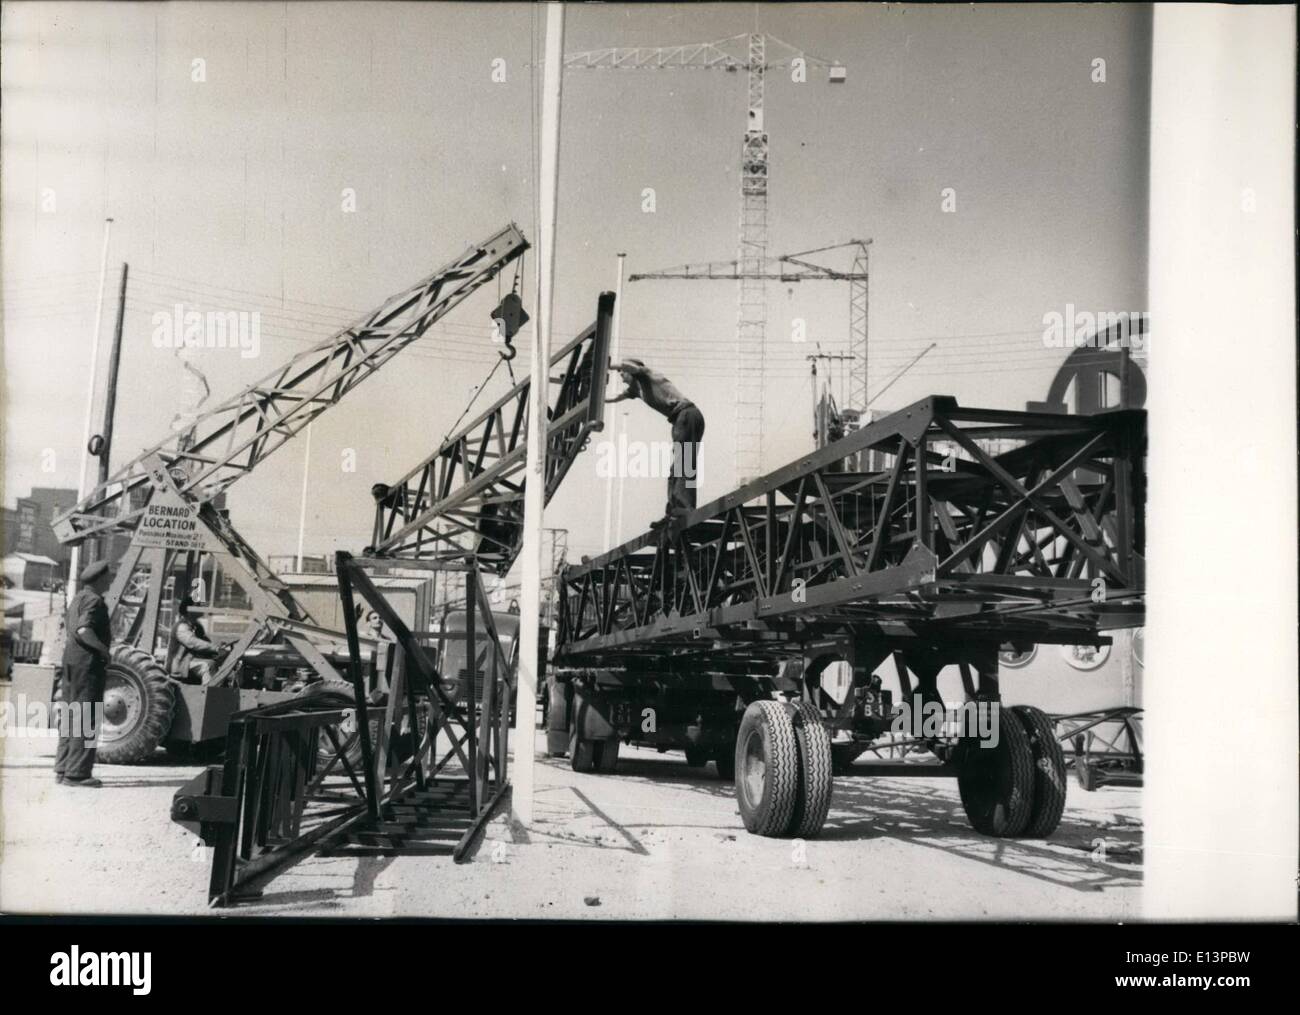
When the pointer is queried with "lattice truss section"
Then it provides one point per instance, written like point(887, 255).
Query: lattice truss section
point(230, 440)
point(466, 500)
point(1006, 525)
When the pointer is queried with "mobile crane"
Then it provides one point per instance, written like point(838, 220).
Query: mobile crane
point(164, 498)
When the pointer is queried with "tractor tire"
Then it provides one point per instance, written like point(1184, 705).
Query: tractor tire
point(340, 694)
point(816, 773)
point(996, 784)
point(607, 756)
point(139, 699)
point(582, 753)
point(1049, 772)
point(696, 757)
point(767, 768)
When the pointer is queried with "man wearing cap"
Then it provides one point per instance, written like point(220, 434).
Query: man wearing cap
point(192, 658)
point(85, 668)
point(658, 392)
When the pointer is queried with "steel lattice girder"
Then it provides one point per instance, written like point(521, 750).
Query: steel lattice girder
point(467, 498)
point(1042, 542)
point(230, 440)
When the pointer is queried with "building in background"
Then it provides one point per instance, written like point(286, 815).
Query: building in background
point(31, 571)
point(27, 526)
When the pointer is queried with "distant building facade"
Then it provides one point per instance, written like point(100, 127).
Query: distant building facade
point(27, 526)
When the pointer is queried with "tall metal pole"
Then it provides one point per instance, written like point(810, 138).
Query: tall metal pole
point(616, 356)
point(302, 502)
point(535, 490)
point(114, 363)
point(74, 562)
point(618, 521)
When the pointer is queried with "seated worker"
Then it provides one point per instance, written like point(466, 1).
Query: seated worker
point(687, 422)
point(191, 658)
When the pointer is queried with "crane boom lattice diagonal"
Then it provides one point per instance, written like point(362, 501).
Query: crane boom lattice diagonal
point(230, 440)
point(466, 500)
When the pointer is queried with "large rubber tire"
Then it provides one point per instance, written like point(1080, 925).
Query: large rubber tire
point(607, 756)
point(340, 694)
point(1049, 772)
point(139, 699)
point(557, 719)
point(997, 783)
point(816, 768)
point(767, 768)
point(582, 753)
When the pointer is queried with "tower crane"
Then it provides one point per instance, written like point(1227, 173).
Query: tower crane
point(754, 53)
point(796, 267)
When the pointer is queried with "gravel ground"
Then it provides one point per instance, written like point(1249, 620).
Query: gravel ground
point(658, 840)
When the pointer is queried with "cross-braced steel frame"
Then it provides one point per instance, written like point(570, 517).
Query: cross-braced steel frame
point(308, 773)
point(466, 500)
point(946, 543)
point(231, 439)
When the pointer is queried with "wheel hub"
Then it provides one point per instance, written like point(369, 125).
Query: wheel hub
point(121, 704)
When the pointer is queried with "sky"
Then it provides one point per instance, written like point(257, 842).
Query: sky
point(225, 139)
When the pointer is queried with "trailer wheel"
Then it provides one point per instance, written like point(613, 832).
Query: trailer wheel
point(138, 702)
point(607, 756)
point(557, 719)
point(816, 779)
point(767, 768)
point(582, 753)
point(997, 783)
point(1049, 772)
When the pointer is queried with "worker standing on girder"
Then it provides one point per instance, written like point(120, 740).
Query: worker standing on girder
point(658, 392)
point(192, 658)
point(85, 671)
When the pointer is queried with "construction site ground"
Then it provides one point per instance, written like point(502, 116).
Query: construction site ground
point(657, 840)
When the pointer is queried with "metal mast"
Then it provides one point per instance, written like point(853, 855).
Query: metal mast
point(748, 52)
point(858, 296)
point(751, 292)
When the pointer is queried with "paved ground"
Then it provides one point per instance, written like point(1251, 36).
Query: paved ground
point(658, 840)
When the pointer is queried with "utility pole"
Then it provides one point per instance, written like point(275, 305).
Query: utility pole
point(535, 489)
point(110, 398)
point(74, 563)
point(302, 501)
point(612, 433)
point(820, 423)
point(102, 443)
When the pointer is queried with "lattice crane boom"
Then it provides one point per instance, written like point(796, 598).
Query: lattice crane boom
point(230, 440)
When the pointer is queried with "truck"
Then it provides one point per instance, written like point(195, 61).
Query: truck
point(936, 537)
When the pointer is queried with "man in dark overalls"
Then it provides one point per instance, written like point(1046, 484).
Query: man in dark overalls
point(658, 392)
point(85, 668)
